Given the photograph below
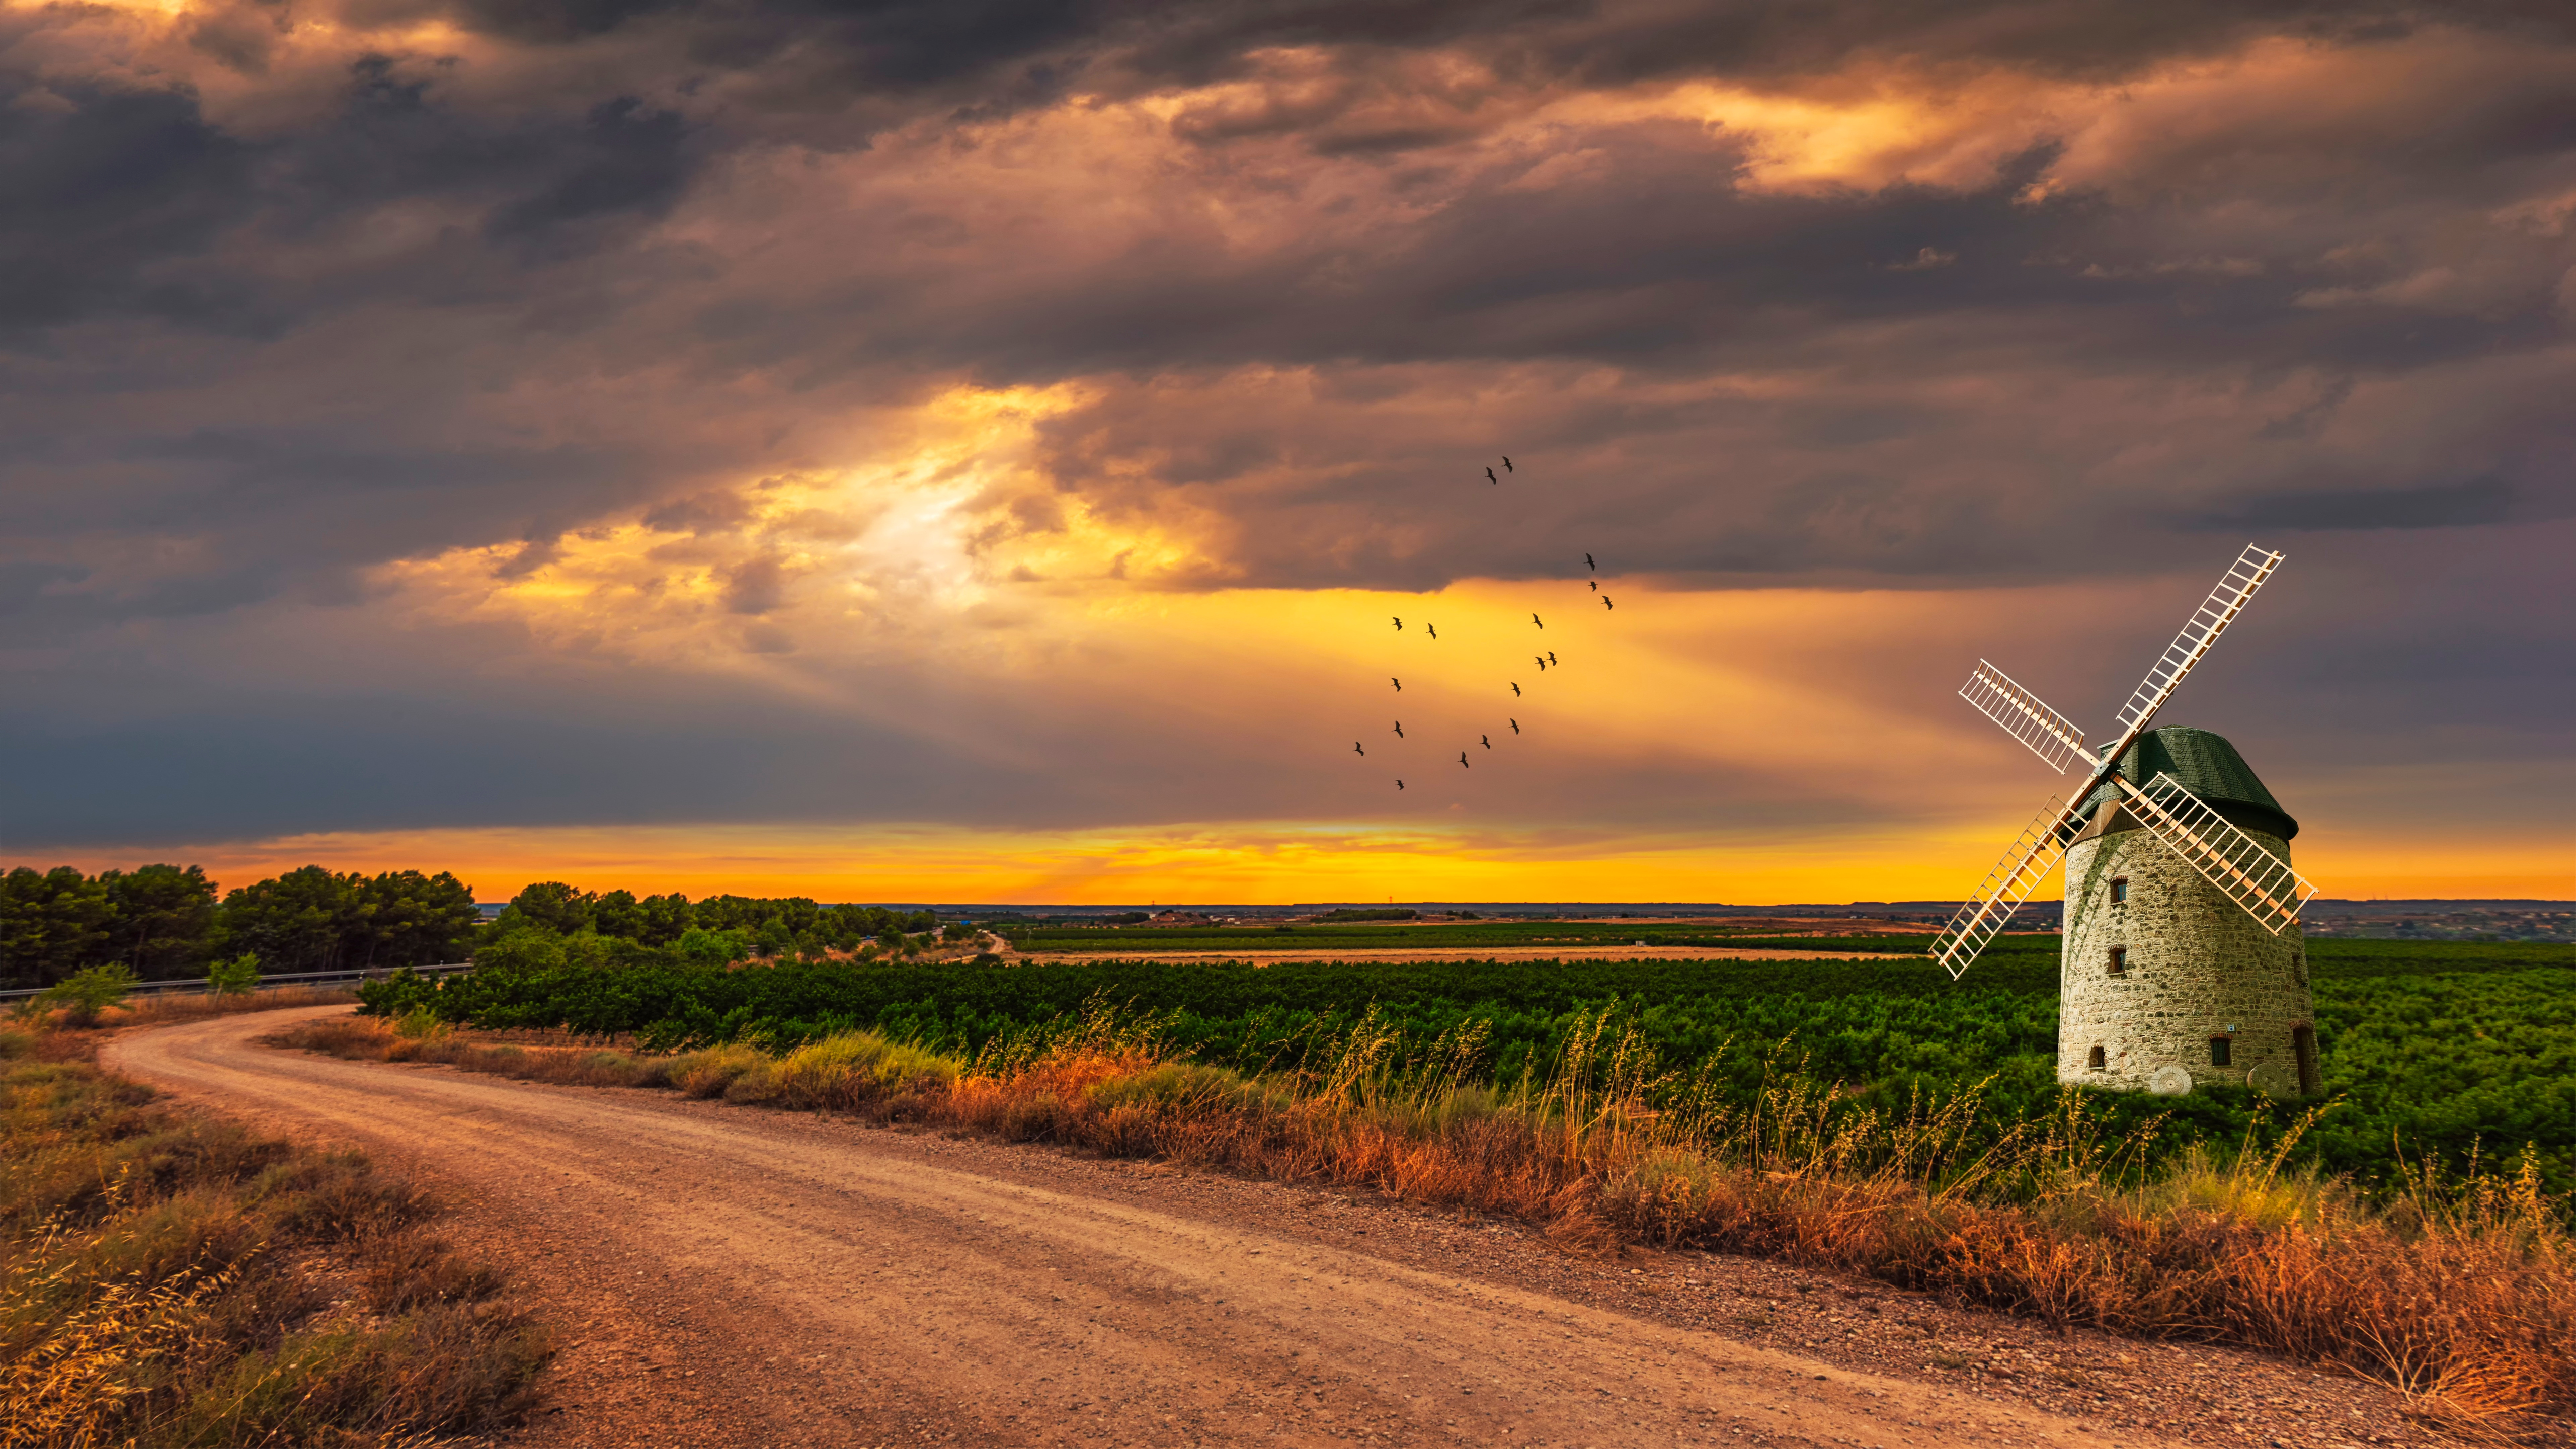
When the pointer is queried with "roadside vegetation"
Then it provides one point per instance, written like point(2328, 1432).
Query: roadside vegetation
point(170, 1279)
point(2459, 1288)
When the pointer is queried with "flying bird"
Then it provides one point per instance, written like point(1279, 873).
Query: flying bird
point(1516, 689)
point(1399, 684)
point(1535, 620)
point(1355, 748)
point(1434, 628)
point(1462, 761)
point(1399, 624)
point(1542, 662)
point(1507, 462)
point(1516, 726)
point(1596, 585)
point(1399, 729)
point(1551, 656)
point(1490, 478)
point(1605, 601)
point(1399, 784)
point(1488, 739)
point(1588, 563)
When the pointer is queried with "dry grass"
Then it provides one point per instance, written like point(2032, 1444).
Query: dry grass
point(166, 1009)
point(2461, 1293)
point(169, 1279)
point(34, 1018)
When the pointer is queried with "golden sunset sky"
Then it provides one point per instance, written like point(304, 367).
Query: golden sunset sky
point(976, 451)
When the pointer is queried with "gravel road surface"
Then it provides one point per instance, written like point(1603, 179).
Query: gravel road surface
point(733, 1276)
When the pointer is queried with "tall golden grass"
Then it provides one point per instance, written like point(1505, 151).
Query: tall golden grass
point(2460, 1292)
point(167, 1279)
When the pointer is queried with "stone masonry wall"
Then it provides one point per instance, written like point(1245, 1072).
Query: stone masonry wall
point(2198, 968)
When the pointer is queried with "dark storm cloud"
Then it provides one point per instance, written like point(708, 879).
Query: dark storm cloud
point(1650, 262)
point(263, 513)
point(1878, 473)
point(238, 764)
point(1699, 275)
point(103, 181)
point(875, 43)
point(919, 43)
point(2434, 505)
point(128, 200)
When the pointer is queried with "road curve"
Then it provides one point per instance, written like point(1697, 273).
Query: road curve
point(753, 1277)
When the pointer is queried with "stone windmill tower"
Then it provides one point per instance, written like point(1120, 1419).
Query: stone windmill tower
point(2182, 960)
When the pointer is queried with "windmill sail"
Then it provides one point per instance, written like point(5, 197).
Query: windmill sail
point(2253, 877)
point(1984, 915)
point(2207, 622)
point(2046, 733)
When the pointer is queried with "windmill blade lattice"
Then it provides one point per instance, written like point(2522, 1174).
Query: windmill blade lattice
point(2048, 734)
point(2190, 646)
point(2235, 862)
point(1984, 915)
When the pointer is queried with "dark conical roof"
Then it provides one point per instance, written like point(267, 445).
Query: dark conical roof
point(2209, 767)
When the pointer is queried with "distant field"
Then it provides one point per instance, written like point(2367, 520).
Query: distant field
point(1390, 936)
point(2437, 1049)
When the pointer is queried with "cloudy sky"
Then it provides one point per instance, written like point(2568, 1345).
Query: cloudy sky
point(977, 449)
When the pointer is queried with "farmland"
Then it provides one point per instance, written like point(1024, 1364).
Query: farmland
point(1429, 935)
point(2437, 1050)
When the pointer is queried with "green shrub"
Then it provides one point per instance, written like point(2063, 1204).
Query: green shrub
point(236, 977)
point(91, 990)
point(400, 994)
point(712, 948)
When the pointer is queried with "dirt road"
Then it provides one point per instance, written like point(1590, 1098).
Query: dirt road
point(734, 1276)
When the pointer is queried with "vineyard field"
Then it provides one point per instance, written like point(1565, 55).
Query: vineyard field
point(2439, 1050)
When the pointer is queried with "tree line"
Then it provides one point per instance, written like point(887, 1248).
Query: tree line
point(728, 928)
point(167, 921)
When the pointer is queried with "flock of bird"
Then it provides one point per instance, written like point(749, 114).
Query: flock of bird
point(1545, 658)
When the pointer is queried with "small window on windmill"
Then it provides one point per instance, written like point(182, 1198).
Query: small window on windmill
point(2222, 1050)
point(2094, 1059)
point(2119, 960)
point(2119, 890)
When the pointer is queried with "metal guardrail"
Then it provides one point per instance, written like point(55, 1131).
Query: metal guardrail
point(269, 983)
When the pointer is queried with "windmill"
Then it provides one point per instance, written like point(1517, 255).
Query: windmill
point(2182, 961)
